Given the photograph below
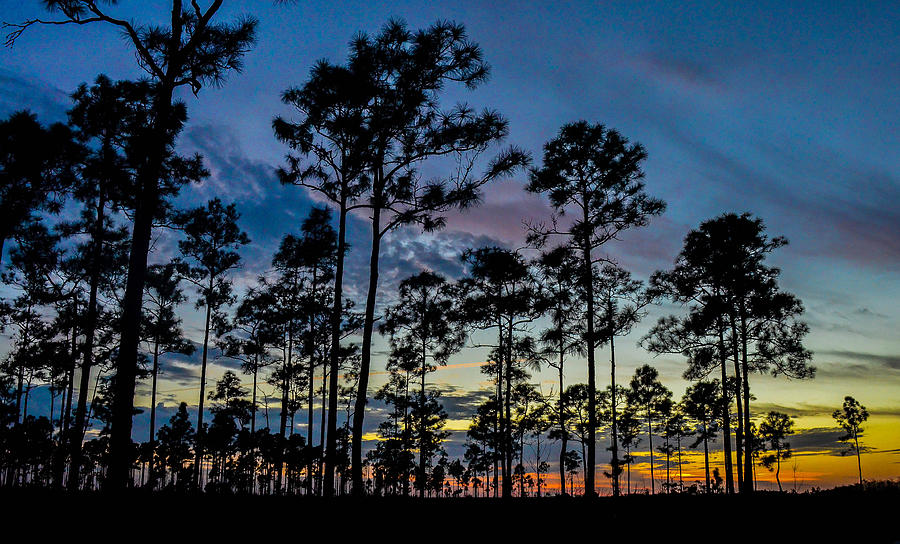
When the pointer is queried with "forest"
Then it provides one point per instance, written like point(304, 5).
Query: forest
point(100, 266)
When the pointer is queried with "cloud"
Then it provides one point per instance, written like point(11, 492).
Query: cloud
point(19, 92)
point(816, 441)
point(869, 360)
point(674, 68)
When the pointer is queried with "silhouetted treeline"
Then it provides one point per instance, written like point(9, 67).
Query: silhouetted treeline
point(92, 307)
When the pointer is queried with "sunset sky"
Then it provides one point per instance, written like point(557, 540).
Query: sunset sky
point(787, 110)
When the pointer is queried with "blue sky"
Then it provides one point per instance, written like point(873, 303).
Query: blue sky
point(788, 110)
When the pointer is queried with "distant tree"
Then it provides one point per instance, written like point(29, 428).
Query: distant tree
point(193, 50)
point(595, 173)
point(773, 430)
point(287, 291)
point(500, 292)
point(558, 269)
point(319, 243)
point(850, 417)
point(162, 331)
point(572, 464)
point(701, 402)
point(423, 332)
point(676, 427)
point(620, 306)
point(652, 397)
point(766, 331)
point(33, 262)
point(208, 254)
point(175, 441)
point(250, 337)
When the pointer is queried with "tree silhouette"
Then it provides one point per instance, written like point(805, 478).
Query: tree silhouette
point(36, 169)
point(594, 173)
point(773, 430)
point(192, 51)
point(850, 417)
point(702, 403)
point(766, 333)
point(162, 331)
point(209, 253)
point(648, 393)
point(559, 273)
point(107, 118)
point(332, 105)
point(500, 292)
point(403, 73)
point(423, 331)
point(620, 303)
point(175, 441)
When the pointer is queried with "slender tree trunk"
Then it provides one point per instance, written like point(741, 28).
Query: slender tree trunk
point(285, 403)
point(331, 446)
point(740, 437)
point(538, 470)
point(201, 435)
point(90, 329)
point(748, 430)
point(589, 488)
point(706, 457)
point(423, 474)
point(650, 438)
point(322, 426)
point(20, 388)
point(778, 469)
point(858, 460)
point(508, 438)
point(153, 378)
point(500, 429)
point(726, 409)
point(615, 435)
point(359, 412)
point(71, 382)
point(562, 423)
point(310, 399)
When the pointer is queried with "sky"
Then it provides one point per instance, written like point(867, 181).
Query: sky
point(787, 110)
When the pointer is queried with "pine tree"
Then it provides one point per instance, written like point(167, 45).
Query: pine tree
point(596, 173)
point(209, 254)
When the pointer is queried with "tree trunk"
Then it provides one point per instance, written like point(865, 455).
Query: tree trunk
point(706, 457)
point(507, 402)
point(90, 329)
point(650, 438)
point(590, 463)
point(331, 445)
point(201, 435)
point(726, 409)
point(740, 437)
point(153, 377)
point(423, 474)
point(285, 403)
point(562, 425)
point(615, 435)
point(748, 431)
point(359, 412)
point(858, 460)
point(778, 469)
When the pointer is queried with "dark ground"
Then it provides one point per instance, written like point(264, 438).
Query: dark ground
point(845, 515)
